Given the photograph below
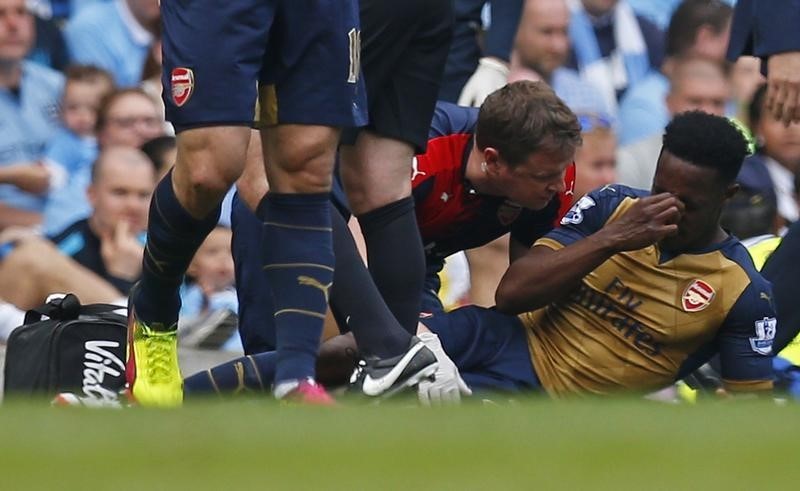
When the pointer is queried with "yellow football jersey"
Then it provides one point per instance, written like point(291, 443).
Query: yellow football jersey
point(646, 318)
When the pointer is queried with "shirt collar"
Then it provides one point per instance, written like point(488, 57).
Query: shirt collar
point(781, 176)
point(783, 181)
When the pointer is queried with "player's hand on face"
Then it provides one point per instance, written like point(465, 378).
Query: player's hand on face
point(122, 252)
point(649, 220)
point(783, 86)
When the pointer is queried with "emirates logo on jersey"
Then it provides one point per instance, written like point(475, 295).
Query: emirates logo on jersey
point(697, 296)
point(181, 85)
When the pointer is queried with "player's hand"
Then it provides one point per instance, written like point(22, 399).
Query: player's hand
point(649, 220)
point(783, 86)
point(490, 75)
point(447, 385)
point(122, 252)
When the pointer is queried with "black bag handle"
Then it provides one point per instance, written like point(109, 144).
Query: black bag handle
point(67, 308)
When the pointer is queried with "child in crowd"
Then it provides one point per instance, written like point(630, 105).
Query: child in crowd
point(596, 159)
point(75, 145)
point(209, 302)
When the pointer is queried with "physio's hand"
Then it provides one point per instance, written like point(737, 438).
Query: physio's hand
point(649, 220)
point(783, 86)
point(490, 75)
point(447, 385)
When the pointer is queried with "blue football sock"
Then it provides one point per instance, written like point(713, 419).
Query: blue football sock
point(298, 264)
point(245, 375)
point(256, 321)
point(173, 236)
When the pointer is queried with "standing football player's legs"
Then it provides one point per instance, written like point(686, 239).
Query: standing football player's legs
point(310, 88)
point(209, 94)
point(353, 295)
point(298, 260)
point(404, 48)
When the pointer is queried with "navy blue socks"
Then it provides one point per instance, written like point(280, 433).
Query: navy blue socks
point(173, 237)
point(298, 264)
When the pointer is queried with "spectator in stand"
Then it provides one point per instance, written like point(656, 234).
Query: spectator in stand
point(745, 78)
point(115, 36)
point(75, 145)
point(29, 95)
point(596, 159)
point(151, 81)
point(777, 157)
point(208, 296)
point(126, 118)
point(696, 84)
point(475, 69)
point(698, 28)
point(31, 269)
point(659, 12)
point(541, 50)
point(612, 47)
point(50, 48)
point(110, 242)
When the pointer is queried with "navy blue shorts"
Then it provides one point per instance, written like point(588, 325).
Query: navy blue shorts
point(431, 303)
point(301, 55)
point(405, 46)
point(489, 348)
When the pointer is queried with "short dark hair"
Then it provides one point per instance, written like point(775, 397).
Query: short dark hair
point(111, 98)
point(708, 141)
point(689, 17)
point(157, 148)
point(88, 73)
point(525, 117)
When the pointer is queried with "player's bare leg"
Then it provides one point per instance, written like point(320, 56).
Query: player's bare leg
point(377, 177)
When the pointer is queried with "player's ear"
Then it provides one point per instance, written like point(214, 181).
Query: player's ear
point(492, 159)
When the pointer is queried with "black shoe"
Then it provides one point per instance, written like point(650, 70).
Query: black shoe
point(375, 377)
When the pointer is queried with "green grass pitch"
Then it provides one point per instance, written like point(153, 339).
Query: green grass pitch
point(536, 444)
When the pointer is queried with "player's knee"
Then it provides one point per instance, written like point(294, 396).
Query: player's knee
point(208, 179)
point(371, 189)
point(211, 159)
point(309, 165)
point(363, 199)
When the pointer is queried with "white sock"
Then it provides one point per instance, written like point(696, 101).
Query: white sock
point(10, 318)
